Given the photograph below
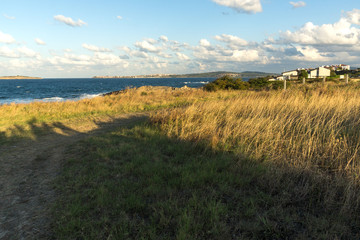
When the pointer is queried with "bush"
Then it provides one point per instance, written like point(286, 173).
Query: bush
point(227, 83)
point(259, 83)
point(278, 85)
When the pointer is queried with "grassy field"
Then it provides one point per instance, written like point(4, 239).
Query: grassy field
point(301, 127)
point(137, 183)
point(18, 120)
point(220, 165)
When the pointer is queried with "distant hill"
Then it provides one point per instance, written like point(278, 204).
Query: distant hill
point(247, 74)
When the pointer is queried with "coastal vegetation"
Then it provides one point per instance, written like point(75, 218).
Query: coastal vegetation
point(231, 83)
point(259, 163)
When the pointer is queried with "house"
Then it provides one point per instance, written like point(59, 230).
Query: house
point(344, 67)
point(293, 74)
point(319, 72)
point(338, 67)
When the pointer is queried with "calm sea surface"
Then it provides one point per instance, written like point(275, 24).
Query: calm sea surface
point(57, 89)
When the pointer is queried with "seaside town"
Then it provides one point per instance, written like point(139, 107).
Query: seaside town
point(319, 72)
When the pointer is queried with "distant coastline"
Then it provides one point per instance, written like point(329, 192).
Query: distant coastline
point(18, 77)
point(247, 74)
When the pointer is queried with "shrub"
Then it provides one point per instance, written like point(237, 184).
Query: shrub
point(278, 85)
point(259, 83)
point(227, 83)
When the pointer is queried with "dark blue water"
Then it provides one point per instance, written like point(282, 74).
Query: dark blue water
point(29, 90)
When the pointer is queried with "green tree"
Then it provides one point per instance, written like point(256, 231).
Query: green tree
point(259, 83)
point(332, 73)
point(303, 74)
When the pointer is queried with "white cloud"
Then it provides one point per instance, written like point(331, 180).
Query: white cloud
point(6, 38)
point(298, 4)
point(139, 54)
point(39, 41)
point(97, 59)
point(205, 52)
point(204, 43)
point(106, 59)
point(322, 44)
point(182, 56)
point(339, 33)
point(9, 17)
point(69, 21)
point(354, 16)
point(247, 6)
point(94, 48)
point(134, 53)
point(18, 52)
point(310, 54)
point(148, 46)
point(7, 52)
point(27, 52)
point(232, 41)
point(119, 17)
point(164, 38)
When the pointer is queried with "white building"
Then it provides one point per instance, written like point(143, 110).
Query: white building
point(290, 74)
point(319, 72)
point(344, 67)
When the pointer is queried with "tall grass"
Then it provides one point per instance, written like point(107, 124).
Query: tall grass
point(301, 127)
point(76, 113)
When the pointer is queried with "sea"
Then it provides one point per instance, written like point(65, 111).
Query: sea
point(64, 89)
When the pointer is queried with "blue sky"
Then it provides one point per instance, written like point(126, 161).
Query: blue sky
point(50, 38)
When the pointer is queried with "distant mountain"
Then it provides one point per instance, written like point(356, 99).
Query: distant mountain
point(247, 74)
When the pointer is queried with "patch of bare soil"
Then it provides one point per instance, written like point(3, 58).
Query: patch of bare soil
point(27, 171)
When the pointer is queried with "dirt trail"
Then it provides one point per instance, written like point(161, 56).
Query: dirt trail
point(27, 171)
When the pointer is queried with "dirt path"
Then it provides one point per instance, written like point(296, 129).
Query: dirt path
point(27, 171)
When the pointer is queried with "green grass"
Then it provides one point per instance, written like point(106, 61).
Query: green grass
point(136, 183)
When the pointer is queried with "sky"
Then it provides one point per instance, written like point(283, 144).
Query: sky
point(67, 38)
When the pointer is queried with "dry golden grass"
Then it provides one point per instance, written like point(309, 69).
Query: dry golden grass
point(16, 120)
point(301, 127)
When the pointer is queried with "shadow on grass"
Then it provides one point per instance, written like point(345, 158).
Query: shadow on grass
point(33, 129)
point(139, 184)
point(27, 167)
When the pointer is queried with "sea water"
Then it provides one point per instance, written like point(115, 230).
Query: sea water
point(62, 89)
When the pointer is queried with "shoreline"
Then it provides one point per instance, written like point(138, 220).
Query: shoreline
point(91, 96)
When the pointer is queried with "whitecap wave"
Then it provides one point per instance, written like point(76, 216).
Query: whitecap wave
point(89, 96)
point(202, 82)
point(15, 100)
point(51, 99)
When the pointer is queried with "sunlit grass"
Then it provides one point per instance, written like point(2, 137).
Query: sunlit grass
point(17, 120)
point(301, 127)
